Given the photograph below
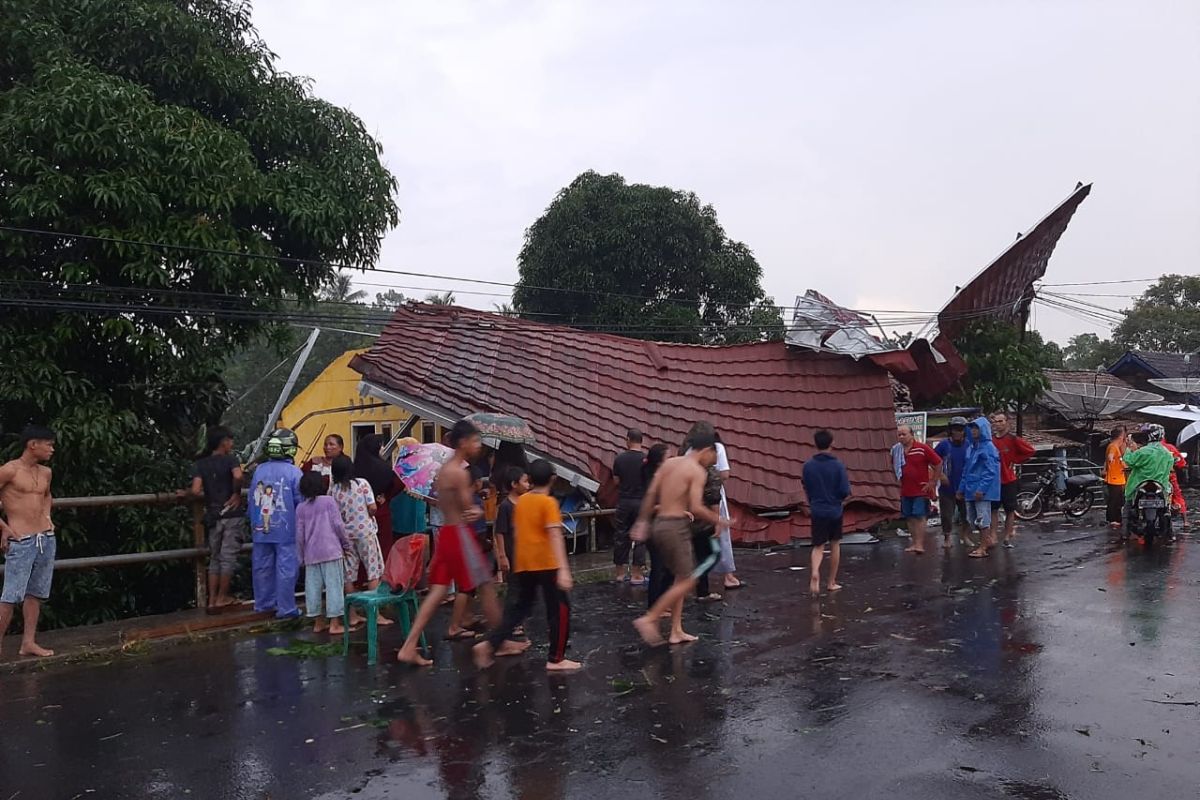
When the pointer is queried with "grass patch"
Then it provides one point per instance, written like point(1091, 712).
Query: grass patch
point(302, 649)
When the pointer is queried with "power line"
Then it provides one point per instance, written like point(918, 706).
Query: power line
point(365, 313)
point(319, 320)
point(238, 307)
point(341, 267)
point(1106, 283)
point(310, 262)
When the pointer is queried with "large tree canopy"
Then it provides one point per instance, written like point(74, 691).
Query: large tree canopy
point(158, 121)
point(1088, 351)
point(1166, 318)
point(644, 261)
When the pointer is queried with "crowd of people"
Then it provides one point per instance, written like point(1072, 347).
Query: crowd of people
point(335, 518)
point(1132, 458)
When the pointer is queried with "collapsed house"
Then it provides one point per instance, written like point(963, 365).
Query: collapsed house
point(580, 391)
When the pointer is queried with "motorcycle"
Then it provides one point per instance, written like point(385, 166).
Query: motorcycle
point(1073, 495)
point(1149, 514)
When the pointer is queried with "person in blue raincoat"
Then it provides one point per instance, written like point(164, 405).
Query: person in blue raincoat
point(274, 493)
point(980, 485)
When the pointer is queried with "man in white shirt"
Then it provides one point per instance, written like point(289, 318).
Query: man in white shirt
point(726, 565)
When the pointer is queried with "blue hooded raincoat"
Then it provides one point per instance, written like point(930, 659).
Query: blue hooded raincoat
point(982, 470)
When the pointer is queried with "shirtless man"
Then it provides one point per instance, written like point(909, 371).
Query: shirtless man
point(457, 557)
point(27, 538)
point(675, 498)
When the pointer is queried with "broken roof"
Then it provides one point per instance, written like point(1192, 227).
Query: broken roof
point(580, 391)
point(1004, 288)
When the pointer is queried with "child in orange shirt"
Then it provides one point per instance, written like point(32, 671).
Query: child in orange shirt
point(539, 564)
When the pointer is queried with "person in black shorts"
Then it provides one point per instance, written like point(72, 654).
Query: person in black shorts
point(627, 472)
point(827, 485)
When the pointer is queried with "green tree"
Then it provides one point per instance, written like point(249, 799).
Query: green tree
point(1002, 370)
point(1088, 351)
point(1049, 355)
point(389, 300)
point(1166, 318)
point(444, 299)
point(645, 261)
point(340, 289)
point(156, 121)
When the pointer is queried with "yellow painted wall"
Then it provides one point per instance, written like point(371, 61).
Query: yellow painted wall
point(337, 387)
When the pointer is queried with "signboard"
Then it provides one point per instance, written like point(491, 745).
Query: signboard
point(917, 420)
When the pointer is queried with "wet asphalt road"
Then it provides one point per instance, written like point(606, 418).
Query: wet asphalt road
point(1057, 670)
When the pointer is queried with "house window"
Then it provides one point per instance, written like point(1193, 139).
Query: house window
point(357, 431)
point(428, 432)
point(386, 430)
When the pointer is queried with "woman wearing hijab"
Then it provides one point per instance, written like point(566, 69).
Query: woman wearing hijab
point(371, 466)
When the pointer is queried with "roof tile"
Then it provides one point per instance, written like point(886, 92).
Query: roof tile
point(580, 391)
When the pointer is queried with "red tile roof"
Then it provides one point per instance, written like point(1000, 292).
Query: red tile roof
point(580, 392)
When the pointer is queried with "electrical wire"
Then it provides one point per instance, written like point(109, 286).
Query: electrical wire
point(266, 375)
point(480, 281)
point(309, 262)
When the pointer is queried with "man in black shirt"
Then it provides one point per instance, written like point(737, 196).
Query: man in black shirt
point(627, 472)
point(217, 477)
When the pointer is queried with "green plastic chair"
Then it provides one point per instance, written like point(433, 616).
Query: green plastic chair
point(371, 602)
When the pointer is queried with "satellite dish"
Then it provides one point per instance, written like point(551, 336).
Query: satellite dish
point(1178, 385)
point(1087, 402)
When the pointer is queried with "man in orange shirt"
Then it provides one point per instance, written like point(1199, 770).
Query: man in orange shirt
point(540, 564)
point(1114, 477)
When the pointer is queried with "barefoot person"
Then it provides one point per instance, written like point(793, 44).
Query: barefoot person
point(27, 535)
point(1013, 451)
point(320, 545)
point(914, 462)
point(457, 557)
point(627, 472)
point(540, 566)
point(827, 485)
point(953, 452)
point(217, 479)
point(676, 498)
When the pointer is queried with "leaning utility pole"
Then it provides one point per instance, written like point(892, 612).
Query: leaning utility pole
point(283, 395)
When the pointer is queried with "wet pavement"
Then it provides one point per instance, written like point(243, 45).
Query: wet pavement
point(1061, 669)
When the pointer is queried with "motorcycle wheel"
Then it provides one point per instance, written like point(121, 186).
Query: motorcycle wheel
point(1079, 506)
point(1149, 527)
point(1029, 506)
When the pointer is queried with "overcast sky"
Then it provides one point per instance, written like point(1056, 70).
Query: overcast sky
point(880, 152)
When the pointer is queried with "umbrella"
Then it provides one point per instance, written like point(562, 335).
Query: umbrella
point(503, 427)
point(1190, 432)
point(418, 467)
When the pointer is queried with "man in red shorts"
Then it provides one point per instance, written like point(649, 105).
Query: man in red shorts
point(457, 557)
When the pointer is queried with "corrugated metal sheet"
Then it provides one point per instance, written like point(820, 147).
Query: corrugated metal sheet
point(580, 391)
point(1004, 288)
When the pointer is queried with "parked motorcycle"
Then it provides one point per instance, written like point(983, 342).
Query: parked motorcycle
point(1149, 514)
point(1073, 495)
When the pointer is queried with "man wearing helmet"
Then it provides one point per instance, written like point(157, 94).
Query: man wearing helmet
point(1149, 461)
point(275, 489)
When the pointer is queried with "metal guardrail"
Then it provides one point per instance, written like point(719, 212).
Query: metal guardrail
point(199, 552)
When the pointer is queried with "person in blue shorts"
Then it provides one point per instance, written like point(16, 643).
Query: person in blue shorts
point(919, 470)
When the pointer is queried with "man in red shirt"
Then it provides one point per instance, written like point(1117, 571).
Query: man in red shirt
point(1013, 450)
point(917, 485)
